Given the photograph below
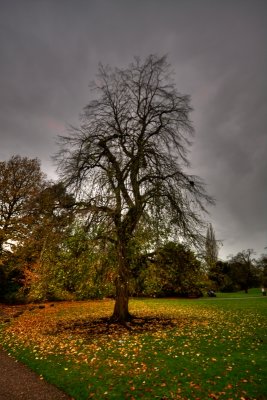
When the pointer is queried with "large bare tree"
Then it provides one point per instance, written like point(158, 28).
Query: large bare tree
point(128, 159)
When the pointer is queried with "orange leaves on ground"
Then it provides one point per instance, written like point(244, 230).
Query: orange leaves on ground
point(166, 350)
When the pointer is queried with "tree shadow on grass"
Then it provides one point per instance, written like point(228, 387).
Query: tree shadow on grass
point(106, 326)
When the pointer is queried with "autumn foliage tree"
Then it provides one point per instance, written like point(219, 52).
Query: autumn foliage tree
point(128, 158)
point(21, 179)
point(52, 215)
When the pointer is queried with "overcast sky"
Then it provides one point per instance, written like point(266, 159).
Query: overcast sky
point(49, 53)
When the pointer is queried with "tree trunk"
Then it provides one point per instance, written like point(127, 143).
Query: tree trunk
point(121, 311)
point(1, 244)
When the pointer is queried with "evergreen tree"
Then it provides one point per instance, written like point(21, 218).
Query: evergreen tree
point(211, 248)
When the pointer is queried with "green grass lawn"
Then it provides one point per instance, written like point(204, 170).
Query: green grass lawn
point(192, 349)
point(255, 292)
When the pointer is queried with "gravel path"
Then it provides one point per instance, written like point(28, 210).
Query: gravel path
point(17, 382)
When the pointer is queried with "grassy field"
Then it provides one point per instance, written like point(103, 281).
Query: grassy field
point(188, 349)
point(251, 293)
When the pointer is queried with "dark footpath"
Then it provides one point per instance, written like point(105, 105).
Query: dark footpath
point(17, 382)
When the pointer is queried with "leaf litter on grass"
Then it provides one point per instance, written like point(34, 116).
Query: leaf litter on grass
point(175, 351)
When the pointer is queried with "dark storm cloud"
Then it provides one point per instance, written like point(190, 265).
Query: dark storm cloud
point(49, 54)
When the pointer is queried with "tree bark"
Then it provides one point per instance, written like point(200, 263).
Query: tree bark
point(121, 309)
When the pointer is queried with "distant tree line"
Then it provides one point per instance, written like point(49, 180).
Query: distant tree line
point(49, 253)
point(239, 272)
